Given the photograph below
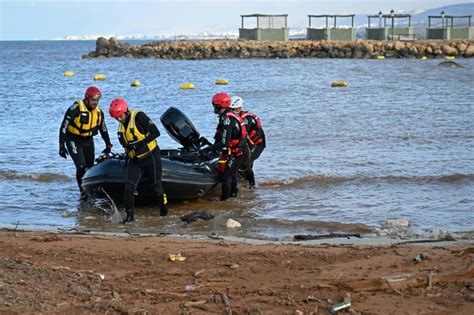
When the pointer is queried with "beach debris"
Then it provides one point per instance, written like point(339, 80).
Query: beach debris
point(311, 298)
point(190, 288)
point(101, 276)
point(192, 217)
point(340, 306)
point(214, 236)
point(419, 258)
point(396, 223)
point(176, 257)
point(308, 237)
point(231, 224)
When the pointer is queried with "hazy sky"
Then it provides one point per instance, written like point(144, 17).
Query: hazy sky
point(50, 19)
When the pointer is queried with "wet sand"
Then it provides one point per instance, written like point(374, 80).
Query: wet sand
point(72, 273)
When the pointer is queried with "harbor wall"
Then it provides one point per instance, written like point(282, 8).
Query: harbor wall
point(222, 49)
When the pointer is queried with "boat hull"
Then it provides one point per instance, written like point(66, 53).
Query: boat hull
point(180, 180)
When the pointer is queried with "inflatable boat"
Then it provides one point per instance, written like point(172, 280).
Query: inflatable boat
point(186, 173)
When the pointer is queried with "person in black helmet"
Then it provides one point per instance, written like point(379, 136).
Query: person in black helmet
point(82, 121)
point(137, 134)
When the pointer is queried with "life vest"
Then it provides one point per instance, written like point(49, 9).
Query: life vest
point(254, 136)
point(87, 123)
point(132, 134)
point(235, 145)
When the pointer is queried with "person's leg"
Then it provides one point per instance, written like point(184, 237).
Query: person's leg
point(77, 154)
point(89, 154)
point(132, 178)
point(235, 163)
point(154, 171)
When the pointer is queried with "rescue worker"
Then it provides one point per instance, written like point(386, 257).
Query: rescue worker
point(255, 136)
point(137, 134)
point(82, 121)
point(230, 141)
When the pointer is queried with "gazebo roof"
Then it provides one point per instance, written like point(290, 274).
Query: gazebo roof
point(263, 15)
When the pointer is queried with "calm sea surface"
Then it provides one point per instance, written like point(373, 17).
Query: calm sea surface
point(398, 142)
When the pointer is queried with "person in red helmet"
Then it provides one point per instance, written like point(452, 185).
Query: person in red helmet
point(82, 121)
point(230, 140)
point(137, 134)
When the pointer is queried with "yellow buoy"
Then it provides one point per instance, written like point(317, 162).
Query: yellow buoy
point(136, 83)
point(380, 57)
point(99, 77)
point(222, 82)
point(450, 57)
point(187, 86)
point(69, 73)
point(338, 83)
point(424, 58)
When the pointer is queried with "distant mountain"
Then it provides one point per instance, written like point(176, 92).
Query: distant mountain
point(421, 19)
point(419, 22)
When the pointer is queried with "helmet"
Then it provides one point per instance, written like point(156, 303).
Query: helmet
point(92, 92)
point(236, 102)
point(221, 100)
point(118, 107)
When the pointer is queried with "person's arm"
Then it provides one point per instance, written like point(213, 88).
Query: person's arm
point(71, 113)
point(103, 132)
point(225, 138)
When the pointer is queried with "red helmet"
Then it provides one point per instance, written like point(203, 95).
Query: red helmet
point(92, 92)
point(221, 100)
point(118, 107)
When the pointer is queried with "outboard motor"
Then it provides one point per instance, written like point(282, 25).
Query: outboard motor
point(181, 129)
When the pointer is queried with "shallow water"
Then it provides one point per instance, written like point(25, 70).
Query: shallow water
point(398, 142)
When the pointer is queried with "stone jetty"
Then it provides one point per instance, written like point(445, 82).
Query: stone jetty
point(244, 49)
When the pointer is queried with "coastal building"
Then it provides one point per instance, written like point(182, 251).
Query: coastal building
point(267, 27)
point(446, 26)
point(391, 31)
point(331, 32)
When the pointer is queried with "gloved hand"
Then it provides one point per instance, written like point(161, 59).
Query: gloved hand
point(62, 151)
point(134, 145)
point(107, 149)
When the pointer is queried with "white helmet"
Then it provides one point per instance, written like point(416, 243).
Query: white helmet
point(236, 102)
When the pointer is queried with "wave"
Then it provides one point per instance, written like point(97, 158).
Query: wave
point(36, 177)
point(322, 180)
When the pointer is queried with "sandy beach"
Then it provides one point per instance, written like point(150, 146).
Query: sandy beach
point(72, 273)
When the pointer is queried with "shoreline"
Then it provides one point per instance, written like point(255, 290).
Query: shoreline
point(61, 273)
point(245, 49)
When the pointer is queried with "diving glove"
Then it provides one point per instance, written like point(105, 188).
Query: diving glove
point(134, 145)
point(107, 149)
point(62, 152)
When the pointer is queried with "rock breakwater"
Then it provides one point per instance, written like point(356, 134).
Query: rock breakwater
point(222, 49)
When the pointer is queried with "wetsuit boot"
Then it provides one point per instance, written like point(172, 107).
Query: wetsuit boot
point(129, 216)
point(163, 202)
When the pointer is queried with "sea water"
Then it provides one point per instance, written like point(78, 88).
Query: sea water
point(397, 142)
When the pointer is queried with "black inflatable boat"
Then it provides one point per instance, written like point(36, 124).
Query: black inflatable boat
point(186, 173)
